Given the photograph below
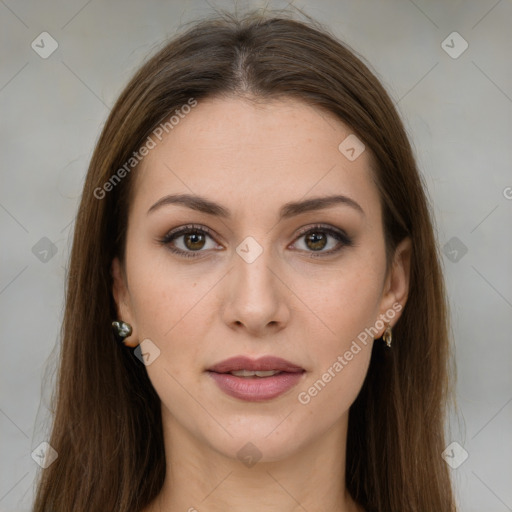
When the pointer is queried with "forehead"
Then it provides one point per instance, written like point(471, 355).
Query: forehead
point(232, 149)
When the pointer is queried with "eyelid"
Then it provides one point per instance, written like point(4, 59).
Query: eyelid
point(324, 227)
point(186, 228)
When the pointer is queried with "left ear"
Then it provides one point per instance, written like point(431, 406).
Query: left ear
point(396, 286)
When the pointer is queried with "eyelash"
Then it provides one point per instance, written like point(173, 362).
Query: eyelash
point(340, 236)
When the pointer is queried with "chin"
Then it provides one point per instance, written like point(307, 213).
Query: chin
point(264, 438)
point(249, 450)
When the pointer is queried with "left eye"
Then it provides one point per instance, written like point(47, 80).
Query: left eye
point(316, 239)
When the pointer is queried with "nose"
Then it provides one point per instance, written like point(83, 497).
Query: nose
point(256, 297)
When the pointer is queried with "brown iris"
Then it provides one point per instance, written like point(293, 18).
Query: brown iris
point(317, 240)
point(196, 240)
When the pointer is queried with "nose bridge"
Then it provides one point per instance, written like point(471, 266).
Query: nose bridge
point(253, 263)
point(254, 298)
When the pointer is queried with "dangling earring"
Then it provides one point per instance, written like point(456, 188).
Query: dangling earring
point(388, 336)
point(122, 329)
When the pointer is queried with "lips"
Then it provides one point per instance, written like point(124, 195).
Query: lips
point(255, 380)
point(263, 364)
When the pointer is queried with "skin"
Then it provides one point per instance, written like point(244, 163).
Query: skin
point(252, 158)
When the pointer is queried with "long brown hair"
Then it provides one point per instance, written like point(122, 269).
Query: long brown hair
point(107, 424)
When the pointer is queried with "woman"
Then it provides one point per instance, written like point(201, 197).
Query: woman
point(254, 228)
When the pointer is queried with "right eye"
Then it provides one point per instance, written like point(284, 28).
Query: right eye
point(193, 237)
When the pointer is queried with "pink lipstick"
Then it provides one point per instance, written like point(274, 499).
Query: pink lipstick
point(255, 380)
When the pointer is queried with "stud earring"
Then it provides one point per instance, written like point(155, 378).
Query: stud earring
point(122, 329)
point(388, 336)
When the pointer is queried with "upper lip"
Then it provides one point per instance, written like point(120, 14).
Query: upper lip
point(265, 363)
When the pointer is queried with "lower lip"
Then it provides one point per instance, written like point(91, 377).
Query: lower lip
point(256, 389)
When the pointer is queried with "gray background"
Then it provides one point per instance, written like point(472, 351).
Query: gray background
point(458, 112)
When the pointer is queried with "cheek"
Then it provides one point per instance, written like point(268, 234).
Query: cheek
point(163, 299)
point(341, 354)
point(328, 395)
point(345, 300)
point(346, 307)
point(169, 308)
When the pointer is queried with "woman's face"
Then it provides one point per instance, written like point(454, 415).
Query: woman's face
point(265, 271)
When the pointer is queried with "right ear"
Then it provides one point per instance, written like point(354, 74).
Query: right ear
point(122, 299)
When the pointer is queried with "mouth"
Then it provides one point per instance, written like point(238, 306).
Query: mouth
point(256, 380)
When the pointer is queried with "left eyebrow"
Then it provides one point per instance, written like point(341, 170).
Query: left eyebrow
point(318, 203)
point(287, 211)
